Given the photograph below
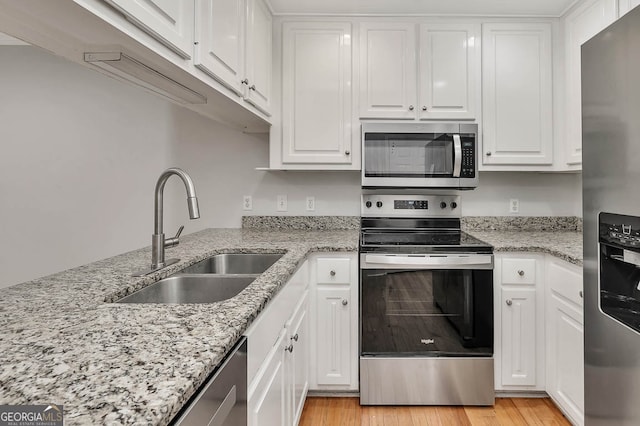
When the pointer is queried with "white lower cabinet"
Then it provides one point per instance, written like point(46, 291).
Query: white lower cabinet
point(539, 329)
point(519, 333)
point(278, 356)
point(565, 337)
point(334, 346)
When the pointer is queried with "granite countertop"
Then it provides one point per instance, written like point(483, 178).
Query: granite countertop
point(62, 342)
point(566, 245)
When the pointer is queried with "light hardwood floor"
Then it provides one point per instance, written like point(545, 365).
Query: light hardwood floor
point(507, 411)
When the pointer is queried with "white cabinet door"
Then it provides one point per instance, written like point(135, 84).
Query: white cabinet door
point(317, 93)
point(625, 6)
point(517, 94)
point(169, 21)
point(582, 24)
point(298, 360)
point(565, 336)
point(258, 55)
point(565, 375)
point(518, 336)
point(333, 336)
point(449, 62)
point(268, 405)
point(388, 70)
point(219, 41)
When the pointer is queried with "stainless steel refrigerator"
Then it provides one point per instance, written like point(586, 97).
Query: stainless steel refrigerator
point(611, 199)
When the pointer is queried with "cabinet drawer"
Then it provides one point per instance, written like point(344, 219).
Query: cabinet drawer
point(566, 280)
point(518, 271)
point(333, 271)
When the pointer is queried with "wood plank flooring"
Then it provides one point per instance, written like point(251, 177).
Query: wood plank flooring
point(506, 411)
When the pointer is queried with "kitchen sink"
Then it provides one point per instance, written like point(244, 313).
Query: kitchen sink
point(191, 289)
point(234, 263)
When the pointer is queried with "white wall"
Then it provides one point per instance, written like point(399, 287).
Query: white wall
point(80, 155)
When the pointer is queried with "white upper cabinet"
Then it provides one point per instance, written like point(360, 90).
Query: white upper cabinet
point(388, 70)
point(443, 86)
point(448, 65)
point(317, 93)
point(258, 55)
point(626, 5)
point(219, 49)
point(517, 94)
point(169, 21)
point(580, 25)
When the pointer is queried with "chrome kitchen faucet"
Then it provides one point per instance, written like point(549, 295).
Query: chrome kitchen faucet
point(158, 242)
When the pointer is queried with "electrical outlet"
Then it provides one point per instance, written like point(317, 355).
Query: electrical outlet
point(282, 203)
point(247, 202)
point(514, 205)
point(311, 204)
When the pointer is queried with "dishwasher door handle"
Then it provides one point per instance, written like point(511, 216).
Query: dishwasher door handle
point(449, 261)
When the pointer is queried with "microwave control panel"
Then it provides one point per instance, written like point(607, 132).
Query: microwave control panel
point(468, 160)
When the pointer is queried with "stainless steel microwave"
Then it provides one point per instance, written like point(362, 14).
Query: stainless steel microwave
point(420, 155)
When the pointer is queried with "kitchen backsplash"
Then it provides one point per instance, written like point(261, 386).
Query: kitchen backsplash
point(315, 223)
point(522, 223)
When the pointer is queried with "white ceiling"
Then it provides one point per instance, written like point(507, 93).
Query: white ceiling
point(424, 7)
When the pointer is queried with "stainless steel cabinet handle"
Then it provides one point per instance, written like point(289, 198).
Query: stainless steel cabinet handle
point(410, 107)
point(424, 108)
point(488, 153)
point(509, 302)
point(245, 81)
point(295, 338)
point(345, 302)
point(252, 87)
point(347, 153)
point(289, 348)
point(521, 272)
point(332, 273)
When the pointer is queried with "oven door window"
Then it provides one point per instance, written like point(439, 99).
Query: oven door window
point(427, 313)
point(408, 155)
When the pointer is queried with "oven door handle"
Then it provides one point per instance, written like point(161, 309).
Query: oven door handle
point(449, 261)
point(457, 155)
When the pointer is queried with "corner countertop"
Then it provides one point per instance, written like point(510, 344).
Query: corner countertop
point(566, 245)
point(63, 342)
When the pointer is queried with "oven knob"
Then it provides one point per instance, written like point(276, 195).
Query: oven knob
point(454, 204)
point(379, 204)
point(443, 205)
point(368, 204)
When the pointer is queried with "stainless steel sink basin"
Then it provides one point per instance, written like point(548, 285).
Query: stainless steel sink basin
point(190, 289)
point(234, 263)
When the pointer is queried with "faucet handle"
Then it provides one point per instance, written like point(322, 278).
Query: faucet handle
point(172, 242)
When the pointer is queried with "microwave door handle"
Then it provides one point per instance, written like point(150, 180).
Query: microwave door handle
point(457, 155)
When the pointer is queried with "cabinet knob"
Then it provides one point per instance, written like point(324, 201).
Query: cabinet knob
point(288, 348)
point(245, 81)
point(295, 338)
point(521, 272)
point(580, 294)
point(347, 152)
point(332, 273)
point(252, 87)
point(345, 302)
point(411, 108)
point(488, 154)
point(424, 108)
point(509, 302)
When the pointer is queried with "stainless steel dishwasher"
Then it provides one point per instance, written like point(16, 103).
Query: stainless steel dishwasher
point(222, 400)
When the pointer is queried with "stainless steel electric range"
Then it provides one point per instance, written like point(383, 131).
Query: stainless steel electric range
point(426, 304)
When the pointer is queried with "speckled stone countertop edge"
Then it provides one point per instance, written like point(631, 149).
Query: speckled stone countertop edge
point(84, 315)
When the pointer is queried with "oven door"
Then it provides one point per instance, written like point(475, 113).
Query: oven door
point(434, 155)
point(432, 305)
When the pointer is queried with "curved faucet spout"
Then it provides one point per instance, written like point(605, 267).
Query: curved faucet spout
point(192, 200)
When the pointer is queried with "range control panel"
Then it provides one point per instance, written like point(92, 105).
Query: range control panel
point(385, 205)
